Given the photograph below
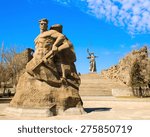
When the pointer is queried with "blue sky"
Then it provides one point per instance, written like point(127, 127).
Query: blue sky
point(109, 28)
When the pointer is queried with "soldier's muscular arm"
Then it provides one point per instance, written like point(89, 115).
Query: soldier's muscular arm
point(65, 45)
point(59, 38)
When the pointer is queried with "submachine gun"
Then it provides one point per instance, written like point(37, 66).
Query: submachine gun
point(32, 65)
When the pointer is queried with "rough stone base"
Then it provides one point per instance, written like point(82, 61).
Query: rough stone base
point(28, 112)
point(41, 112)
point(122, 92)
point(72, 111)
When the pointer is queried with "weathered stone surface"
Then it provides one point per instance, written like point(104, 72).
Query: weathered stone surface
point(121, 71)
point(36, 94)
point(134, 71)
point(32, 93)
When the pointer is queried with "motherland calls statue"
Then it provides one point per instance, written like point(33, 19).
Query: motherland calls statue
point(50, 83)
point(92, 57)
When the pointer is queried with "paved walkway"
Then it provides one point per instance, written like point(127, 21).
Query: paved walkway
point(102, 108)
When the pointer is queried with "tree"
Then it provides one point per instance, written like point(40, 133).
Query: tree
point(9, 66)
point(12, 64)
point(137, 79)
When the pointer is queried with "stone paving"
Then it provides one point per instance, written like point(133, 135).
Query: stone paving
point(100, 108)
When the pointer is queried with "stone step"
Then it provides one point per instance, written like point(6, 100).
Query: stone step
point(92, 93)
point(99, 85)
point(94, 85)
point(95, 82)
point(90, 75)
point(98, 81)
point(95, 89)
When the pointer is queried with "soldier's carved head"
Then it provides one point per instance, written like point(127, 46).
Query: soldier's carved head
point(57, 27)
point(43, 24)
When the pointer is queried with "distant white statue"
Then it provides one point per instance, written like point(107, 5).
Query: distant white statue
point(92, 57)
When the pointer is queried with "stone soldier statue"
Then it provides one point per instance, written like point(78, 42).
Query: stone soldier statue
point(50, 83)
point(92, 57)
point(41, 66)
point(61, 48)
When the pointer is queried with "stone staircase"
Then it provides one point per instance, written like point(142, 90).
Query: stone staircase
point(93, 84)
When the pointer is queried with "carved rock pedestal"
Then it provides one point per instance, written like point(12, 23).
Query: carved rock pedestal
point(37, 98)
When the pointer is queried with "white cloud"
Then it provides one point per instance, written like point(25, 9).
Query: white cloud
point(135, 46)
point(65, 2)
point(133, 15)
